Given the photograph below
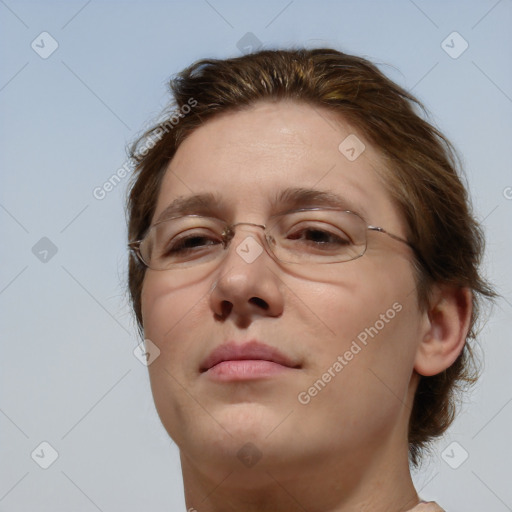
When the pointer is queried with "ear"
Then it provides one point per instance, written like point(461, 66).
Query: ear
point(447, 324)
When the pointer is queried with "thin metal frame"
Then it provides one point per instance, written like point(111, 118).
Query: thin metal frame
point(228, 233)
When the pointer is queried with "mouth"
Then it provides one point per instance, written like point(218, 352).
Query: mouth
point(251, 360)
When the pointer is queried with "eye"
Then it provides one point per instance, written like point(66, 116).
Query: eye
point(325, 236)
point(189, 243)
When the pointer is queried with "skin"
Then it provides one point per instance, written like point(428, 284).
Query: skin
point(346, 450)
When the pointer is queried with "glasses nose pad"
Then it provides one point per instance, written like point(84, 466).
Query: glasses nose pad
point(251, 243)
point(271, 243)
point(227, 235)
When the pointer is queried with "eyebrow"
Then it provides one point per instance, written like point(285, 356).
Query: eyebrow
point(197, 204)
point(297, 197)
point(212, 204)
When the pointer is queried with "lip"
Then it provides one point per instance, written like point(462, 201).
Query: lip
point(249, 360)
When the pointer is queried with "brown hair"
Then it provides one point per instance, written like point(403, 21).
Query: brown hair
point(421, 175)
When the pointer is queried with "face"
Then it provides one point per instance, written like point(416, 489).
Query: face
point(349, 330)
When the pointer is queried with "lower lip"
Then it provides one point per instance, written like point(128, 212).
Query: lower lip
point(245, 370)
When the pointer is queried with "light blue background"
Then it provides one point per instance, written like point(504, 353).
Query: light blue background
point(69, 376)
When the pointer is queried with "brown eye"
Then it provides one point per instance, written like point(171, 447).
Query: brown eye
point(319, 237)
point(191, 242)
point(190, 245)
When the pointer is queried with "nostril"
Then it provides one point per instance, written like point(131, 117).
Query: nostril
point(259, 302)
point(226, 308)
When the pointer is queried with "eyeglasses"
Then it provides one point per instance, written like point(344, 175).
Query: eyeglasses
point(304, 237)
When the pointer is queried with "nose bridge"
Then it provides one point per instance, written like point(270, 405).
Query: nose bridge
point(231, 230)
point(262, 226)
point(248, 242)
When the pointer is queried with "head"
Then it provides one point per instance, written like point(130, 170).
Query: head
point(248, 131)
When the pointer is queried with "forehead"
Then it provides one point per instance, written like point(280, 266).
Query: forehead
point(248, 158)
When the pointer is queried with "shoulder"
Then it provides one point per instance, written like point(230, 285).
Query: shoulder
point(427, 507)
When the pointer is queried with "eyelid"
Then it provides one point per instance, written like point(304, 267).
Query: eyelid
point(322, 208)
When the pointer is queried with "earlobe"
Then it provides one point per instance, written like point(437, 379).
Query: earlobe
point(447, 323)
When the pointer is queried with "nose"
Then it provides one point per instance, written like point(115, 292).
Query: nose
point(247, 285)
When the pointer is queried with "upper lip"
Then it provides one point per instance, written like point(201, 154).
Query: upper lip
point(231, 351)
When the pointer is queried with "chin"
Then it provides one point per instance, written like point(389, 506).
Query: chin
point(248, 462)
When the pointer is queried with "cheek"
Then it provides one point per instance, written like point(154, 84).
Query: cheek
point(169, 315)
point(372, 318)
point(376, 325)
point(166, 309)
point(151, 296)
point(365, 290)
